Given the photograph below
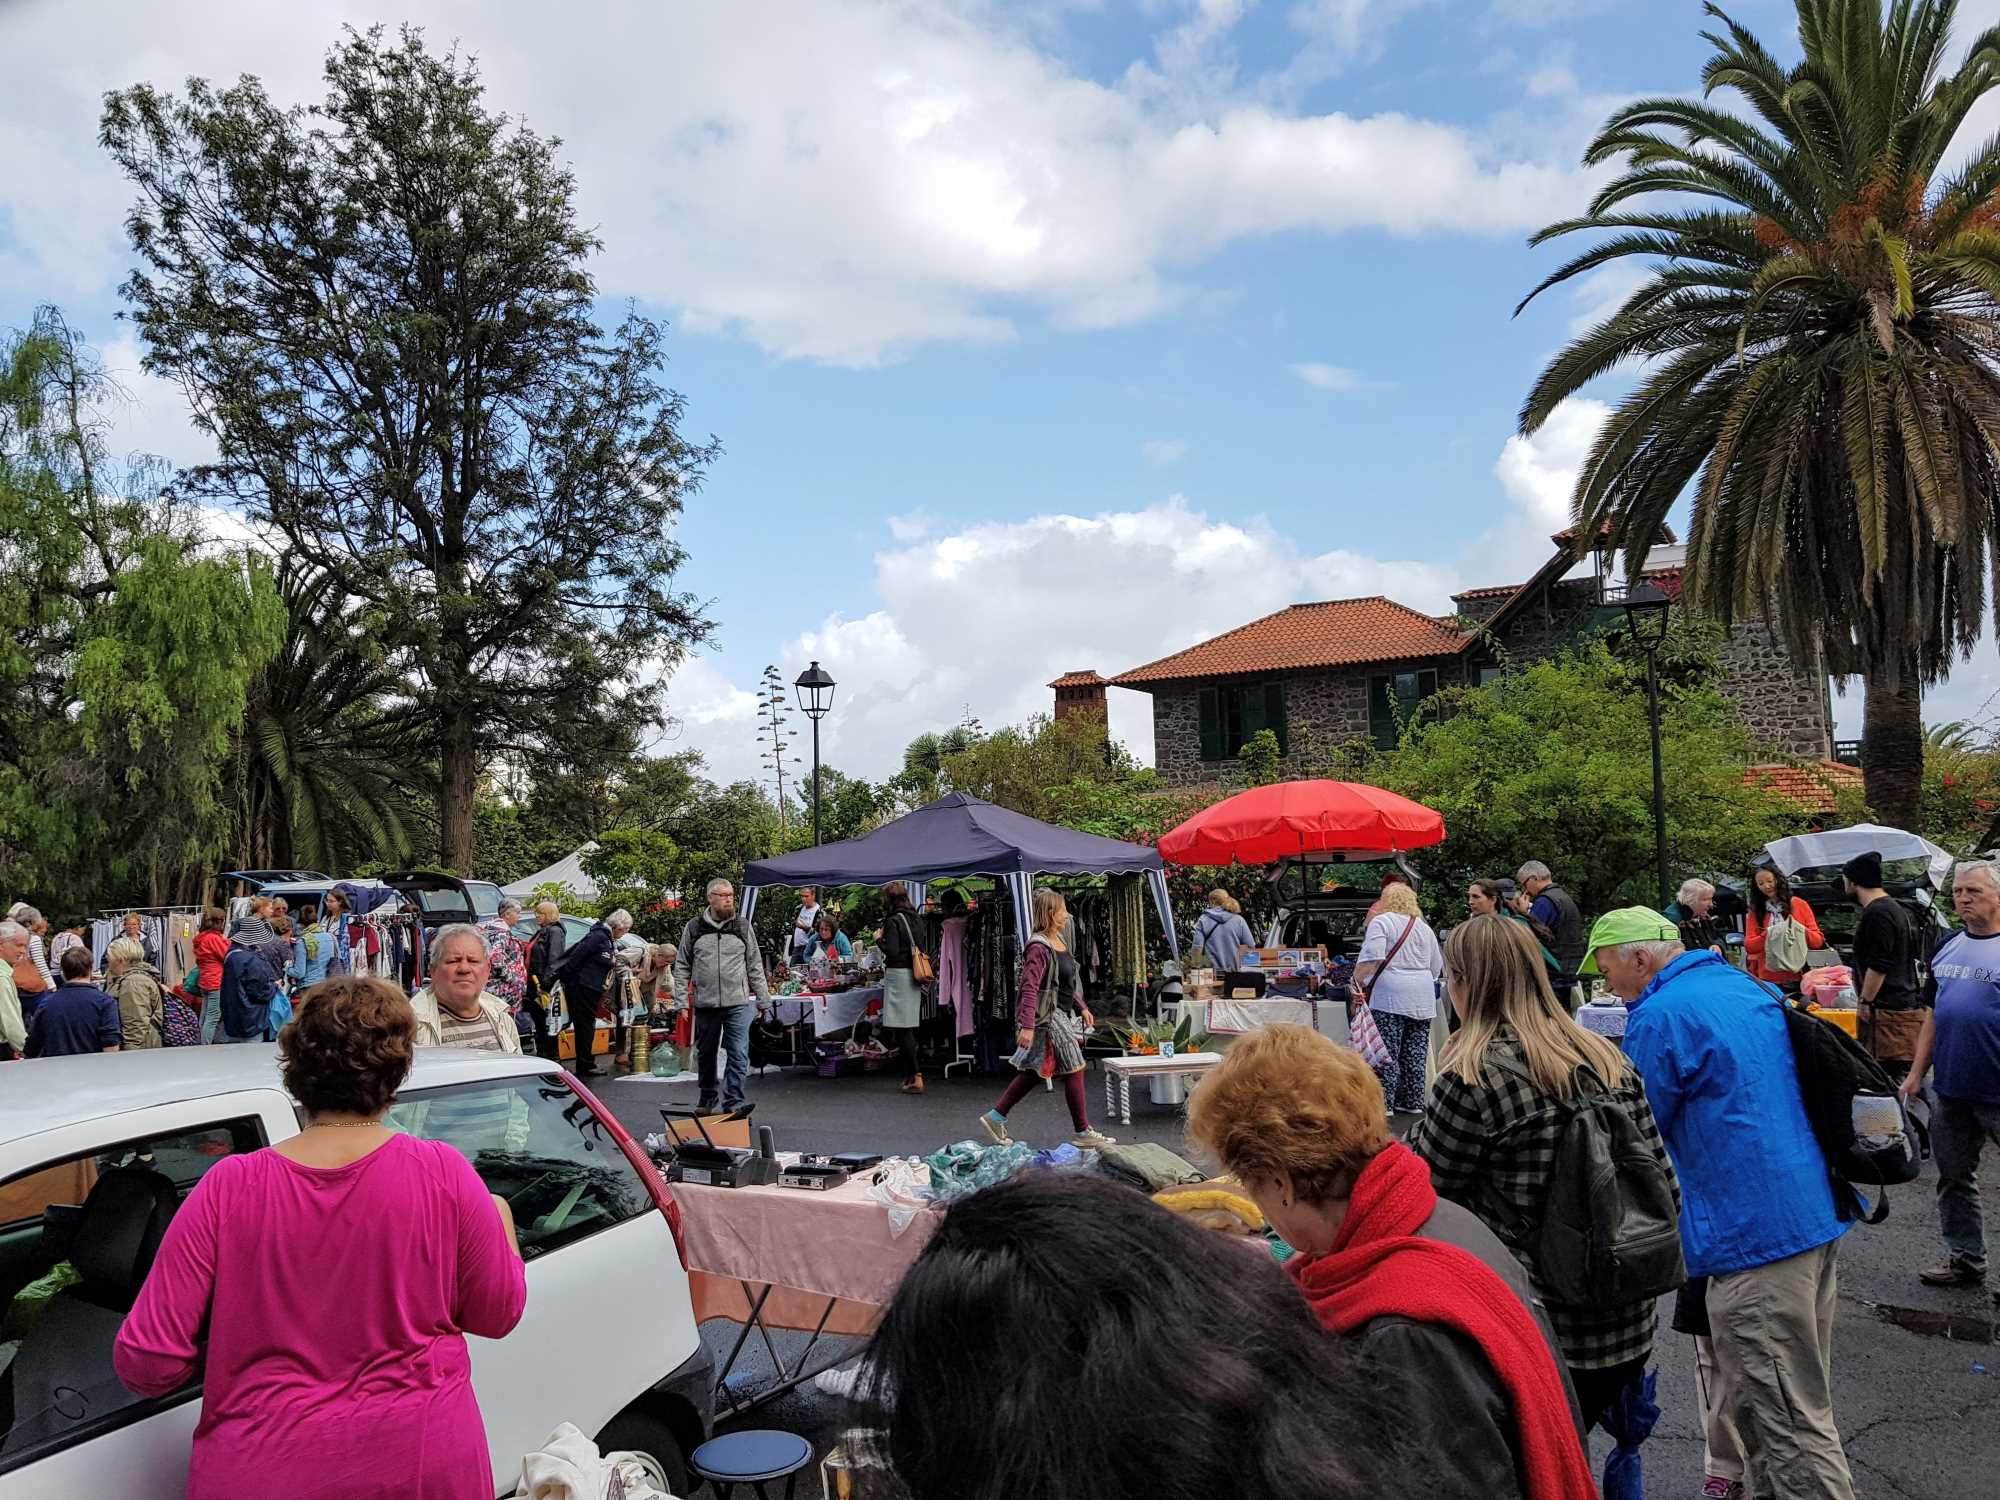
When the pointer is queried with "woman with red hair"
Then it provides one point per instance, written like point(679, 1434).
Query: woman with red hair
point(1416, 1281)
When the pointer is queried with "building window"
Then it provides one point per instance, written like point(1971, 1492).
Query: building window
point(1394, 699)
point(1231, 716)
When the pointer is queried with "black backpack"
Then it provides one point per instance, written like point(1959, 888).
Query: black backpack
point(1609, 1233)
point(1835, 1070)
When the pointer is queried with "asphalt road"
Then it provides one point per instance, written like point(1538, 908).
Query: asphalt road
point(1917, 1376)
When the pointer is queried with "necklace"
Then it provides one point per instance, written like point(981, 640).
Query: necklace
point(341, 1124)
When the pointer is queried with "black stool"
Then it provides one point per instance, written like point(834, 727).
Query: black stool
point(752, 1458)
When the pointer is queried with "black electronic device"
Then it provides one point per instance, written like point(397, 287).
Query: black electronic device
point(814, 1178)
point(705, 1163)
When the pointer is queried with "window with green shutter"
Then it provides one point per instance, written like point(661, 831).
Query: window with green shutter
point(1231, 715)
point(1394, 699)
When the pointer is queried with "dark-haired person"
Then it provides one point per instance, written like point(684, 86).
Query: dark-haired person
point(1006, 1371)
point(1771, 899)
point(1410, 1281)
point(75, 1017)
point(902, 997)
point(211, 950)
point(367, 1394)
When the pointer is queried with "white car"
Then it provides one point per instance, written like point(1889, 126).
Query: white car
point(96, 1154)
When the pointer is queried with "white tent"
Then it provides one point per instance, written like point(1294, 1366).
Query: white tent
point(566, 871)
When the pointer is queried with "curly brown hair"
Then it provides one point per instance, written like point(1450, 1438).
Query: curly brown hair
point(348, 1046)
point(1288, 1102)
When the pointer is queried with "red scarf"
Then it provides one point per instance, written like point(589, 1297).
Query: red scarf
point(1379, 1268)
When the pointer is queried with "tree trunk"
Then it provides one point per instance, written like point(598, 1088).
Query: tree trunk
point(1892, 745)
point(459, 764)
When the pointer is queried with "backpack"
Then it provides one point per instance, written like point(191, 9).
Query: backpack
point(1855, 1112)
point(1609, 1232)
point(183, 1024)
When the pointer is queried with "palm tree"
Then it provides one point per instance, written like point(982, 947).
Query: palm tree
point(1816, 346)
point(331, 766)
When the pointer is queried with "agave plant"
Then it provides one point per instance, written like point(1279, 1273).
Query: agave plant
point(1816, 344)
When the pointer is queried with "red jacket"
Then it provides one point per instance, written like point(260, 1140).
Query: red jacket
point(210, 949)
point(1753, 940)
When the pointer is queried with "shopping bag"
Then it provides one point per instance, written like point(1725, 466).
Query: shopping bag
point(684, 1028)
point(1367, 1037)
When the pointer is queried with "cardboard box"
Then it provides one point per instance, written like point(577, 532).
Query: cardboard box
point(599, 1044)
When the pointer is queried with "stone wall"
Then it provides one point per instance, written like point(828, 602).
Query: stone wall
point(1323, 711)
point(1784, 708)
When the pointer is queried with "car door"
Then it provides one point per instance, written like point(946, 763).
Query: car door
point(70, 1429)
point(596, 1246)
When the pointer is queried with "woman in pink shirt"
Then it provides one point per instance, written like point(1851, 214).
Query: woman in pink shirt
point(337, 1274)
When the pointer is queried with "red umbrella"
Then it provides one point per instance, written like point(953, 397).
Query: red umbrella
point(1268, 823)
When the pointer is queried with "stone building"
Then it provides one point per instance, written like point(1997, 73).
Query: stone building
point(1328, 675)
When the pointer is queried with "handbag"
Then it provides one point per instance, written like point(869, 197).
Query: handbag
point(1368, 990)
point(920, 961)
point(27, 978)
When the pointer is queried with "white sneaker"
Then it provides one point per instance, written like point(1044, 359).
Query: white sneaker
point(996, 1126)
point(1093, 1138)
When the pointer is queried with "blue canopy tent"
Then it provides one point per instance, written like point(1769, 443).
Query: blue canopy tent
point(959, 836)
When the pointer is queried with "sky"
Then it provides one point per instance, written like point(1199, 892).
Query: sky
point(1038, 336)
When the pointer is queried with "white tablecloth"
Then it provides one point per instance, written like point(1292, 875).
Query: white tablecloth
point(835, 1012)
point(1226, 1020)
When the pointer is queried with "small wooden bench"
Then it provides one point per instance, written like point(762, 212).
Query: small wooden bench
point(1120, 1071)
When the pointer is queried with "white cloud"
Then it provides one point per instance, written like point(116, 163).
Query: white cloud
point(1331, 378)
point(984, 617)
point(1539, 473)
point(911, 526)
point(1159, 452)
point(1601, 293)
point(149, 415)
point(841, 182)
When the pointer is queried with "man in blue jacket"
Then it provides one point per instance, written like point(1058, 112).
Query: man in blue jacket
point(1757, 1209)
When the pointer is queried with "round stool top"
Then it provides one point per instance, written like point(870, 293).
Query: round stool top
point(746, 1457)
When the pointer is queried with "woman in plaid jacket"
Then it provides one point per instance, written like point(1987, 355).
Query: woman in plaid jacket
point(1491, 1125)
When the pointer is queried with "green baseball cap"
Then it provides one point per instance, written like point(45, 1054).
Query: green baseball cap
point(1629, 924)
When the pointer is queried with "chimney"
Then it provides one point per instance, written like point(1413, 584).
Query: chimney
point(1080, 695)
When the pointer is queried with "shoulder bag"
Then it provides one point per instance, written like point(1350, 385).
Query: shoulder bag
point(920, 961)
point(1368, 990)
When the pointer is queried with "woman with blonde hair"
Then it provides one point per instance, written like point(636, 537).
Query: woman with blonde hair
point(1397, 971)
point(1053, 1022)
point(1497, 1114)
point(1220, 932)
point(1411, 1283)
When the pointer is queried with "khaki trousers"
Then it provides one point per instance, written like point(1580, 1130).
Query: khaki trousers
point(1772, 1331)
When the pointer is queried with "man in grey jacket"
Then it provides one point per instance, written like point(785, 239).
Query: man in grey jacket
point(719, 952)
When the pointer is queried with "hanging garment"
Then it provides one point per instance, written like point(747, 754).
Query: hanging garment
point(1127, 905)
point(952, 987)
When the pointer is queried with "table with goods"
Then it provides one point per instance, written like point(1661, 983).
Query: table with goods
point(819, 1242)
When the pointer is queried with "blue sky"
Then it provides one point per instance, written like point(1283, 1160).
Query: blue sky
point(1038, 336)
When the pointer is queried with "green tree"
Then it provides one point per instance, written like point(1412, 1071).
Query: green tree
point(922, 778)
point(1259, 758)
point(1816, 341)
point(382, 311)
point(1553, 762)
point(126, 647)
point(1020, 766)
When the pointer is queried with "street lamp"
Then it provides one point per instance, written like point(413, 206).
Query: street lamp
point(815, 691)
point(1646, 618)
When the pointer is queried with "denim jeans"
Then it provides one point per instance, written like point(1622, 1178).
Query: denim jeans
point(729, 1025)
point(211, 1014)
point(1960, 1129)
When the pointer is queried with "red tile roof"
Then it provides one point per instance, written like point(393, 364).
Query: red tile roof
point(1499, 592)
point(1336, 633)
point(1811, 787)
point(1084, 678)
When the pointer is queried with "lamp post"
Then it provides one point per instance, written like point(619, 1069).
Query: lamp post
point(815, 691)
point(1646, 618)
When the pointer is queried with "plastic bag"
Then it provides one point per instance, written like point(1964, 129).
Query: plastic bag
point(1367, 1037)
point(902, 1189)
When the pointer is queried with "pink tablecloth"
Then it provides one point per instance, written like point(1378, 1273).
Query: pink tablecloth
point(807, 1246)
